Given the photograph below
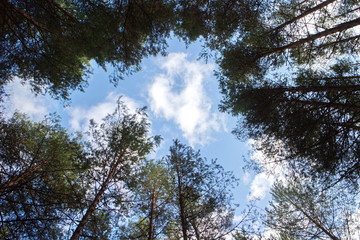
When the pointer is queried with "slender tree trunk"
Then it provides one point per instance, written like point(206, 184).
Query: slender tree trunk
point(351, 107)
point(61, 9)
point(96, 200)
point(336, 42)
point(15, 10)
point(317, 224)
point(346, 125)
point(181, 205)
point(196, 229)
point(338, 28)
point(337, 78)
point(351, 88)
point(23, 176)
point(152, 214)
point(29, 220)
point(304, 14)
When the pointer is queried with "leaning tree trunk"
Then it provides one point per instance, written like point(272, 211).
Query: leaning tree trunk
point(304, 14)
point(96, 200)
point(313, 220)
point(343, 106)
point(304, 89)
point(23, 176)
point(338, 28)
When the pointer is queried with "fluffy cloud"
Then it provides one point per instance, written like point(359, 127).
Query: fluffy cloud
point(272, 171)
point(260, 186)
point(21, 99)
point(80, 117)
point(179, 95)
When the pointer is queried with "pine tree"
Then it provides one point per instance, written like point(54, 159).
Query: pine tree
point(116, 147)
point(202, 198)
point(50, 43)
point(40, 165)
point(300, 211)
point(316, 119)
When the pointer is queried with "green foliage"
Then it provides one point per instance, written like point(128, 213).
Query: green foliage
point(284, 35)
point(50, 44)
point(115, 149)
point(202, 196)
point(153, 197)
point(98, 227)
point(40, 162)
point(300, 211)
point(182, 196)
point(49, 177)
point(316, 120)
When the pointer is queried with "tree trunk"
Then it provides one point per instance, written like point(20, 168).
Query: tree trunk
point(346, 125)
point(152, 214)
point(96, 200)
point(351, 107)
point(317, 224)
point(350, 88)
point(197, 233)
point(337, 78)
point(304, 14)
point(23, 176)
point(15, 10)
point(338, 28)
point(336, 42)
point(182, 206)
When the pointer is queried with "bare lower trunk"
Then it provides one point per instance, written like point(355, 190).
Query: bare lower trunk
point(350, 88)
point(94, 203)
point(338, 28)
point(351, 107)
point(304, 14)
point(197, 233)
point(152, 214)
point(317, 224)
point(182, 206)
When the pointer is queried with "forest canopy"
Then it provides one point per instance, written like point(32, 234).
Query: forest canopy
point(287, 69)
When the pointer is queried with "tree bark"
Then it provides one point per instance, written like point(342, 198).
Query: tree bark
point(336, 42)
point(181, 205)
point(350, 88)
point(96, 200)
point(152, 214)
point(10, 7)
point(351, 107)
point(304, 14)
point(23, 176)
point(337, 78)
point(317, 224)
point(196, 229)
point(338, 28)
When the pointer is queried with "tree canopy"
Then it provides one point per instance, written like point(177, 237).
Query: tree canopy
point(289, 69)
point(295, 79)
point(40, 163)
point(51, 43)
point(55, 185)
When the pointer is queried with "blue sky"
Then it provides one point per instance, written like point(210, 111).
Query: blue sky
point(182, 97)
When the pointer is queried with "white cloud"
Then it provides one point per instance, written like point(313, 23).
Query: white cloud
point(179, 95)
point(272, 169)
point(21, 99)
point(80, 117)
point(260, 186)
